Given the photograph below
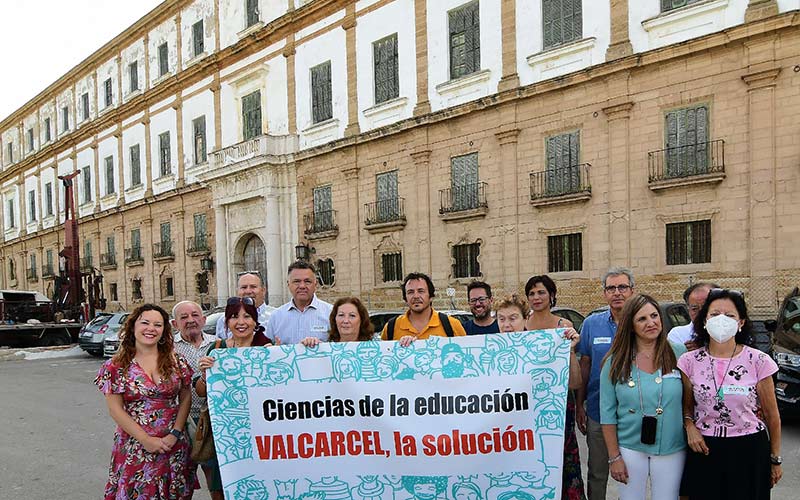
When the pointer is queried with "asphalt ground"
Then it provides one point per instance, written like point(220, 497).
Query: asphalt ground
point(57, 434)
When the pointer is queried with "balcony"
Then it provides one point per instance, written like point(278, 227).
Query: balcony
point(702, 163)
point(87, 264)
point(561, 185)
point(108, 261)
point(31, 275)
point(276, 149)
point(197, 245)
point(463, 202)
point(163, 251)
point(385, 215)
point(47, 271)
point(321, 225)
point(133, 256)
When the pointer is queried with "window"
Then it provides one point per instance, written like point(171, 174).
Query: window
point(387, 84)
point(31, 206)
point(251, 13)
point(321, 93)
point(668, 5)
point(326, 272)
point(251, 115)
point(201, 282)
point(136, 289)
point(199, 134)
point(112, 292)
point(86, 261)
point(200, 231)
point(465, 260)
point(87, 184)
point(133, 76)
point(563, 172)
point(687, 141)
point(109, 161)
point(110, 247)
point(12, 270)
point(689, 242)
point(136, 166)
point(392, 267)
point(136, 239)
point(563, 22)
point(65, 118)
point(164, 154)
point(33, 263)
point(12, 221)
point(9, 152)
point(47, 135)
point(197, 38)
point(323, 212)
point(464, 182)
point(85, 105)
point(564, 253)
point(109, 92)
point(166, 233)
point(163, 59)
point(48, 199)
point(49, 262)
point(30, 140)
point(388, 204)
point(169, 286)
point(465, 40)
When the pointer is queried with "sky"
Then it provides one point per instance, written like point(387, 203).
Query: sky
point(42, 40)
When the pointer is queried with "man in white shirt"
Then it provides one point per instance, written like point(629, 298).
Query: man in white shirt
point(303, 316)
point(694, 296)
point(249, 286)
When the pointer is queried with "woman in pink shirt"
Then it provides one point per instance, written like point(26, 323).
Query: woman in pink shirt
point(730, 411)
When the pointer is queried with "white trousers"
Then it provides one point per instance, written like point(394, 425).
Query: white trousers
point(664, 471)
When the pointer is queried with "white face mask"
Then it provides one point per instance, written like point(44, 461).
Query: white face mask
point(722, 328)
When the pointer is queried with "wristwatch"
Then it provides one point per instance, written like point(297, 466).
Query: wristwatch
point(775, 459)
point(176, 433)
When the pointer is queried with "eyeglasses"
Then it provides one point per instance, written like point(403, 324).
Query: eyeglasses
point(479, 300)
point(233, 301)
point(617, 288)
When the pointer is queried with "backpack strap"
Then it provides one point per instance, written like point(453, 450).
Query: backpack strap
point(390, 328)
point(445, 320)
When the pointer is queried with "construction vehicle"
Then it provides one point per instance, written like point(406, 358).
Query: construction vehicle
point(29, 318)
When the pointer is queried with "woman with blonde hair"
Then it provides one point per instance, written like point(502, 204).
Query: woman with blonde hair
point(148, 393)
point(640, 404)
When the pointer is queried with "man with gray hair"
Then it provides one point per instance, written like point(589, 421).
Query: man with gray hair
point(597, 333)
point(694, 296)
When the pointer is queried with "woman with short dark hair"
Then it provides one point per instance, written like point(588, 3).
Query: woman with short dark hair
point(729, 407)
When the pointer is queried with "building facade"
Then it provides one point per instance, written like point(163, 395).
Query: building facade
point(465, 139)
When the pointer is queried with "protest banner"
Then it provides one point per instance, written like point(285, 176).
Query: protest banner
point(469, 418)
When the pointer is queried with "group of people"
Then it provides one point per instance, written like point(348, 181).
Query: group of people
point(639, 397)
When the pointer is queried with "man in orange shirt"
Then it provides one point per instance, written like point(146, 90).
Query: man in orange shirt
point(421, 320)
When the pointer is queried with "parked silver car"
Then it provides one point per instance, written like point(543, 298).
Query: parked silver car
point(94, 333)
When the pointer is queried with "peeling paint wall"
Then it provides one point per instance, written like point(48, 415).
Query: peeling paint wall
point(160, 123)
point(134, 52)
point(132, 136)
point(167, 33)
point(199, 10)
point(47, 111)
point(107, 71)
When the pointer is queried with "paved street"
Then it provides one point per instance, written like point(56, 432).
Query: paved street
point(57, 436)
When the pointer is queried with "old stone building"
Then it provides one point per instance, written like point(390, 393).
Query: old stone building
point(465, 139)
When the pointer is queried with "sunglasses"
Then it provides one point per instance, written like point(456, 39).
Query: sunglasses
point(233, 301)
point(723, 291)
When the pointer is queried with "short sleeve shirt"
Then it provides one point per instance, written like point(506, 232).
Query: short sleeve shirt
point(597, 333)
point(192, 355)
point(292, 325)
point(726, 401)
point(473, 329)
point(681, 334)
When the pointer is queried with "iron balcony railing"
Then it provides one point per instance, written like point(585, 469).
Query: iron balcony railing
point(197, 244)
point(560, 181)
point(320, 222)
point(162, 249)
point(87, 263)
point(31, 274)
point(108, 260)
point(687, 161)
point(382, 211)
point(47, 270)
point(461, 198)
point(133, 254)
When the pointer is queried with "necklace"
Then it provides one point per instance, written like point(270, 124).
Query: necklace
point(719, 396)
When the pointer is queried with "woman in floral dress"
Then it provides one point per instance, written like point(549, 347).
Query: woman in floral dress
point(148, 392)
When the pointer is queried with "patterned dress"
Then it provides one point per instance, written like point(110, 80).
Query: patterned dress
point(572, 482)
point(135, 472)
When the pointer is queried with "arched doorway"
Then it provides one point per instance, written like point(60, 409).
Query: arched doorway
point(255, 257)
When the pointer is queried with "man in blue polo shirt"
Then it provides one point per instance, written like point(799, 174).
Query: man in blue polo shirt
point(597, 333)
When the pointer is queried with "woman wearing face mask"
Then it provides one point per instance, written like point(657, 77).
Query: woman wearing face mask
point(729, 407)
point(640, 404)
point(349, 323)
point(511, 313)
